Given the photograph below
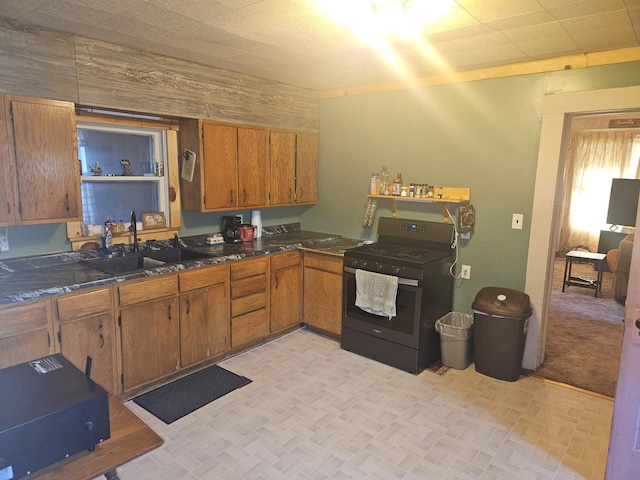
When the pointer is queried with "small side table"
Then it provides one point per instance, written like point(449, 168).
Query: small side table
point(576, 256)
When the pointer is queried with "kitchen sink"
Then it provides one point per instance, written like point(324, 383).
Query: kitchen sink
point(133, 263)
point(174, 255)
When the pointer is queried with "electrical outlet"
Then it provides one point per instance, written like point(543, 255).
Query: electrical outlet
point(465, 272)
point(4, 243)
point(241, 215)
point(516, 221)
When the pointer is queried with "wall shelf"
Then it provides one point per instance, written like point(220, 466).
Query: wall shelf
point(442, 196)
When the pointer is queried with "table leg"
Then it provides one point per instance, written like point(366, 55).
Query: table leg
point(567, 263)
point(599, 285)
point(112, 475)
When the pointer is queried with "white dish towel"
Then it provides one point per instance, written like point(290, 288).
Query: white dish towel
point(376, 293)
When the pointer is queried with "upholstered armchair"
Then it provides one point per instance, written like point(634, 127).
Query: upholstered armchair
point(619, 261)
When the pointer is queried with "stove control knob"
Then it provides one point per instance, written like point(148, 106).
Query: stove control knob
point(363, 264)
point(396, 270)
point(379, 266)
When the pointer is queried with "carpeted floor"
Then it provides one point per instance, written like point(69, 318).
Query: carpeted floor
point(584, 334)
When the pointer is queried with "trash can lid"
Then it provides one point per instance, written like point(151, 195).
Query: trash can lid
point(503, 302)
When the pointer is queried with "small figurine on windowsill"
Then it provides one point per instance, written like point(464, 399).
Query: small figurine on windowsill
point(96, 171)
point(126, 167)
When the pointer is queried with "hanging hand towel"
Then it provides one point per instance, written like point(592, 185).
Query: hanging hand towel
point(376, 293)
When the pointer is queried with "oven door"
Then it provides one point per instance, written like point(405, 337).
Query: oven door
point(404, 328)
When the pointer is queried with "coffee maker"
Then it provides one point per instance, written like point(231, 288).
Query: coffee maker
point(230, 231)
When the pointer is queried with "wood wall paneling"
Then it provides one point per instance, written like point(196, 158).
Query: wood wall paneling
point(37, 62)
point(114, 76)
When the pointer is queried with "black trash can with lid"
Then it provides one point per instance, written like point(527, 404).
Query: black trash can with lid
point(501, 318)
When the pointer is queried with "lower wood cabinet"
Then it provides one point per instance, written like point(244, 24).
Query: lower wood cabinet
point(149, 329)
point(322, 308)
point(26, 332)
point(150, 341)
point(249, 301)
point(85, 327)
point(204, 314)
point(286, 291)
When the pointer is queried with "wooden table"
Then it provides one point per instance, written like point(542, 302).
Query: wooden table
point(130, 438)
point(577, 256)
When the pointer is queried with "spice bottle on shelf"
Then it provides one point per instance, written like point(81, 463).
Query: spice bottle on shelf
point(384, 181)
point(374, 187)
point(397, 184)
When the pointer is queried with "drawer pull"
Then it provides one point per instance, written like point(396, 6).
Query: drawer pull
point(169, 312)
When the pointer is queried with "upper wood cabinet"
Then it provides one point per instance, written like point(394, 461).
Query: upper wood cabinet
point(294, 167)
point(42, 163)
point(231, 166)
point(7, 172)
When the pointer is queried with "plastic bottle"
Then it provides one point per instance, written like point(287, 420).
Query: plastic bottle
point(384, 181)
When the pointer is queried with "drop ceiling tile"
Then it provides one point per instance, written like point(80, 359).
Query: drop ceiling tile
point(535, 32)
point(487, 11)
point(632, 3)
point(485, 58)
point(18, 8)
point(586, 24)
point(460, 33)
point(108, 6)
point(195, 9)
point(456, 18)
point(157, 16)
point(581, 8)
point(545, 46)
point(74, 12)
point(524, 20)
point(470, 44)
point(606, 38)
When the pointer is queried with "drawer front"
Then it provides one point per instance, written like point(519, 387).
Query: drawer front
point(249, 285)
point(284, 260)
point(247, 268)
point(328, 263)
point(240, 306)
point(148, 289)
point(24, 317)
point(80, 305)
point(202, 277)
point(251, 326)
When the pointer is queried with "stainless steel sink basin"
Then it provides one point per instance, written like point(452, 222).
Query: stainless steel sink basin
point(174, 255)
point(132, 263)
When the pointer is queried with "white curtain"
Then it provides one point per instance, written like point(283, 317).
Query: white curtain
point(594, 159)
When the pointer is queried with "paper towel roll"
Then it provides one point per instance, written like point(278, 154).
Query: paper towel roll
point(257, 221)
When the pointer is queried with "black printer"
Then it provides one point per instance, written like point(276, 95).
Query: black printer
point(49, 410)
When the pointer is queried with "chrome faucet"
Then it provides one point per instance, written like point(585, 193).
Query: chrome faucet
point(135, 231)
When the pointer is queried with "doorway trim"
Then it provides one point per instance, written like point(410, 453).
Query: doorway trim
point(556, 111)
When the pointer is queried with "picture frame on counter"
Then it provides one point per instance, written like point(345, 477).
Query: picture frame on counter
point(152, 220)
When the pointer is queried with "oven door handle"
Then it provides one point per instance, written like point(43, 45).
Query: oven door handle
point(401, 281)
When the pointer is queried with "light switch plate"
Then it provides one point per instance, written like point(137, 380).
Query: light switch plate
point(516, 221)
point(4, 243)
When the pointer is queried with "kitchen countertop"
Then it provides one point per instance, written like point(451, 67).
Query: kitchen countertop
point(29, 278)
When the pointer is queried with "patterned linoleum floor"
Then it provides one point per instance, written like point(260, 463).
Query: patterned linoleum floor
point(314, 411)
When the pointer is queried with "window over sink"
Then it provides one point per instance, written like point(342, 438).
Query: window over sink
point(126, 165)
point(123, 169)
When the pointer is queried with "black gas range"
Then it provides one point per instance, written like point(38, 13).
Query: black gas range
point(419, 254)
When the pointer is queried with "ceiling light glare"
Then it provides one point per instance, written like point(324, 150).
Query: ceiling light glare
point(371, 19)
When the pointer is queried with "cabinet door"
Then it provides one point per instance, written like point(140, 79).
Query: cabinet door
point(323, 301)
point(150, 341)
point(285, 298)
point(91, 336)
point(7, 171)
point(220, 157)
point(46, 160)
point(204, 324)
point(252, 167)
point(283, 166)
point(306, 168)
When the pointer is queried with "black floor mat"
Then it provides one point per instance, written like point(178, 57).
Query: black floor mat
point(181, 397)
